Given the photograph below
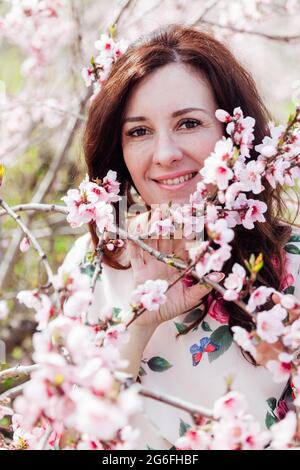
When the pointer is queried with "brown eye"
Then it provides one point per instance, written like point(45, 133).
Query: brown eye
point(139, 132)
point(190, 123)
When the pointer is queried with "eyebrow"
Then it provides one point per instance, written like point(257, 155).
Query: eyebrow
point(175, 114)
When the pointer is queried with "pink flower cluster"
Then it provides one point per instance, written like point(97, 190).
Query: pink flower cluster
point(92, 202)
point(36, 26)
point(75, 393)
point(109, 51)
point(234, 429)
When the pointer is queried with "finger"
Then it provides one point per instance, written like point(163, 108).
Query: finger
point(195, 293)
point(152, 244)
point(135, 256)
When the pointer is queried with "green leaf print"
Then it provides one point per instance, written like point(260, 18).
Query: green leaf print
point(158, 364)
point(289, 290)
point(293, 249)
point(192, 316)
point(272, 403)
point(270, 416)
point(223, 338)
point(294, 238)
point(205, 326)
point(183, 428)
point(270, 420)
point(180, 327)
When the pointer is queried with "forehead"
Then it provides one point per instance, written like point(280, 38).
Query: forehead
point(171, 87)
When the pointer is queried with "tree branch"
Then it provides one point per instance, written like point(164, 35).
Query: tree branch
point(234, 29)
point(17, 371)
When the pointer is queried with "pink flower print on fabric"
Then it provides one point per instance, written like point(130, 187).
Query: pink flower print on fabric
point(217, 310)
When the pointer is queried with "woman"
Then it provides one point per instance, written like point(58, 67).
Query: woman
point(154, 122)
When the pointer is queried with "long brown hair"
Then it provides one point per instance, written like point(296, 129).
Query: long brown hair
point(233, 86)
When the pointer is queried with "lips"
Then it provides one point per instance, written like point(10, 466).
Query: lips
point(178, 184)
point(173, 176)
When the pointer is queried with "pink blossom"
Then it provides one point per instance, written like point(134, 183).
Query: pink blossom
point(234, 282)
point(215, 169)
point(250, 175)
point(80, 211)
point(252, 210)
point(220, 233)
point(268, 147)
point(269, 323)
point(194, 439)
point(239, 433)
point(223, 116)
point(292, 335)
point(243, 338)
point(259, 297)
point(150, 295)
point(41, 303)
point(281, 369)
point(116, 335)
point(96, 417)
point(241, 131)
point(25, 244)
point(231, 405)
point(104, 217)
point(283, 432)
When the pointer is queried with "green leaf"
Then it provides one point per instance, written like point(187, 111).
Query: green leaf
point(158, 364)
point(293, 249)
point(270, 420)
point(289, 290)
point(180, 327)
point(192, 316)
point(183, 428)
point(294, 238)
point(222, 337)
point(272, 402)
point(205, 326)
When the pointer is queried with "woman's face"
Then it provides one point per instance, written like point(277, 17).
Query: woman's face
point(168, 131)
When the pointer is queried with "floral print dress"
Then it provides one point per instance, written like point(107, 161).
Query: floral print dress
point(193, 366)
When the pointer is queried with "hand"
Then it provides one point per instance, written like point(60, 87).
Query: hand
point(145, 266)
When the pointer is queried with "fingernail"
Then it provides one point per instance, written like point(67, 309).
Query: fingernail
point(216, 277)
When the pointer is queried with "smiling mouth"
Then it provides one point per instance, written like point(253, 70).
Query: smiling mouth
point(176, 181)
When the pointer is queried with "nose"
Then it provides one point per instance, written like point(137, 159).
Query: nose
point(166, 151)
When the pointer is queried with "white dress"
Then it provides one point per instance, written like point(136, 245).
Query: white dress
point(193, 366)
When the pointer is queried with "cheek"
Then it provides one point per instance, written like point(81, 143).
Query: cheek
point(202, 145)
point(136, 166)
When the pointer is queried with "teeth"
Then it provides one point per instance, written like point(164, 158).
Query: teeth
point(181, 179)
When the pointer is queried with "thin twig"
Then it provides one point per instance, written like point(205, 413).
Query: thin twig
point(17, 371)
point(13, 392)
point(124, 7)
point(207, 8)
point(33, 240)
point(235, 29)
point(98, 267)
point(177, 403)
point(38, 207)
